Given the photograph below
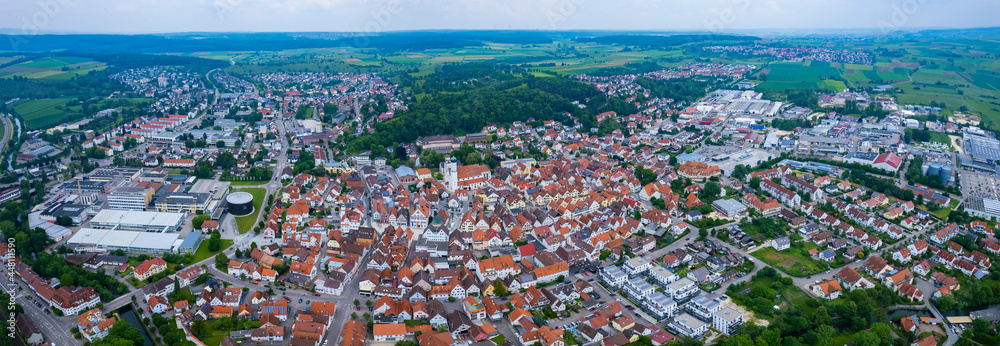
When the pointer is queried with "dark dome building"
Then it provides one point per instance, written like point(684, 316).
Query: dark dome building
point(240, 203)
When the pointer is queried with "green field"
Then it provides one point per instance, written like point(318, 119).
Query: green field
point(936, 137)
point(42, 113)
point(55, 68)
point(792, 261)
point(813, 75)
point(202, 253)
point(246, 223)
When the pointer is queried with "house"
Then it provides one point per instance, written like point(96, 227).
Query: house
point(909, 323)
point(926, 341)
point(828, 290)
point(268, 333)
point(781, 243)
point(158, 304)
point(29, 330)
point(850, 279)
point(92, 324)
point(389, 332)
point(148, 268)
point(276, 308)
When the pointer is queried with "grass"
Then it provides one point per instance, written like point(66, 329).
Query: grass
point(803, 75)
point(41, 113)
point(214, 337)
point(791, 261)
point(246, 223)
point(247, 183)
point(499, 339)
point(135, 282)
point(202, 253)
point(936, 137)
point(51, 68)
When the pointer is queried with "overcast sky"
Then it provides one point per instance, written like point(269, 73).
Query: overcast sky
point(161, 16)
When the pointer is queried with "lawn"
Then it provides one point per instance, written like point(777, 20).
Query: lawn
point(202, 253)
point(247, 183)
point(499, 339)
point(212, 336)
point(245, 223)
point(793, 261)
point(936, 137)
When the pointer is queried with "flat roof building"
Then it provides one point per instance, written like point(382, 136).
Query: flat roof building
point(130, 220)
point(175, 202)
point(688, 326)
point(727, 320)
point(130, 198)
point(97, 240)
point(730, 208)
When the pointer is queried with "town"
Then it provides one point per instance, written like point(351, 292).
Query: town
point(203, 206)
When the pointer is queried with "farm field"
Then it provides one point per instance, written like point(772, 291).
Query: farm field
point(41, 113)
point(52, 68)
point(811, 75)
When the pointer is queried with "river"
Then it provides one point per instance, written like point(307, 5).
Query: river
point(129, 316)
point(922, 312)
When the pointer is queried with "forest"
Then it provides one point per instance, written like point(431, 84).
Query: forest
point(506, 96)
point(653, 41)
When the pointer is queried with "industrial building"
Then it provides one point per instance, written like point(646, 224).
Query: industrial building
point(730, 208)
point(130, 198)
point(146, 221)
point(988, 208)
point(76, 212)
point(175, 202)
point(109, 174)
point(982, 149)
point(96, 240)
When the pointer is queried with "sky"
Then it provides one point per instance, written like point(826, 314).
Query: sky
point(167, 16)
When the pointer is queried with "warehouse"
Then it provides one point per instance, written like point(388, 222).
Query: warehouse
point(131, 220)
point(97, 240)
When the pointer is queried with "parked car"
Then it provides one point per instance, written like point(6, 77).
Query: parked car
point(317, 294)
point(300, 300)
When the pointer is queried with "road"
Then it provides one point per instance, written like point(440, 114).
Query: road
point(54, 328)
point(7, 127)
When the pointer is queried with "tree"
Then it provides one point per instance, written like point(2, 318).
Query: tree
point(215, 242)
point(711, 189)
point(883, 331)
point(199, 220)
point(221, 261)
point(66, 279)
point(866, 338)
point(644, 175)
point(64, 221)
point(703, 233)
point(946, 302)
point(821, 316)
point(826, 333)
